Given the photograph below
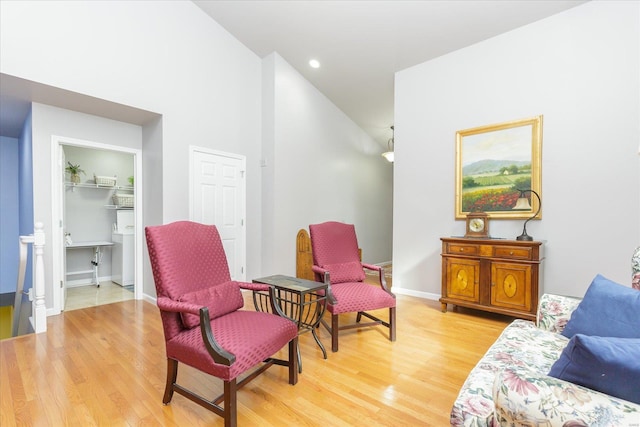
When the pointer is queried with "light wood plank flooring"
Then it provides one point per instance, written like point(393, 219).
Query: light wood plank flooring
point(106, 365)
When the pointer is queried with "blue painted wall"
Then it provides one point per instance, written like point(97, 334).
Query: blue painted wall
point(25, 196)
point(9, 220)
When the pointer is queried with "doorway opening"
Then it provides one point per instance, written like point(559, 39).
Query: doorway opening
point(97, 223)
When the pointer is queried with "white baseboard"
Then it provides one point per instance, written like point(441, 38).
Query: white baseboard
point(413, 293)
point(85, 282)
point(149, 298)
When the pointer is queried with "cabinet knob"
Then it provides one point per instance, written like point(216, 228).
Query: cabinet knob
point(461, 249)
point(511, 253)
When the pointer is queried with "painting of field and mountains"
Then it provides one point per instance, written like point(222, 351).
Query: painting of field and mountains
point(494, 163)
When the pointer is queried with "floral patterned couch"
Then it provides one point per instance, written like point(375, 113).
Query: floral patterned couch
point(510, 385)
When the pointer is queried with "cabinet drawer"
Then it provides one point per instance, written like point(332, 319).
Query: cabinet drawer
point(512, 252)
point(464, 249)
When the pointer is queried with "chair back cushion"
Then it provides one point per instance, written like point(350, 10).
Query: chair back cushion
point(335, 248)
point(220, 299)
point(186, 257)
point(345, 272)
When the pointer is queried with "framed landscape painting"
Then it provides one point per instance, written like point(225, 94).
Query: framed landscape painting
point(493, 163)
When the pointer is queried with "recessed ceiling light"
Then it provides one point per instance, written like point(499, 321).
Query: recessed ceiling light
point(314, 63)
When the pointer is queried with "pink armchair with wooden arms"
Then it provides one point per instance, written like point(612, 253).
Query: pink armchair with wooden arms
point(203, 324)
point(336, 261)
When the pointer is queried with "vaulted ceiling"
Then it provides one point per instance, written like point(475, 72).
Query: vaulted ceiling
point(361, 44)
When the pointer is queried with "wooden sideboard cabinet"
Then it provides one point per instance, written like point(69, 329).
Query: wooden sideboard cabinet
point(497, 275)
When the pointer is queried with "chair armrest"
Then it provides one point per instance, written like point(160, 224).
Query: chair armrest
point(321, 271)
point(219, 354)
point(525, 397)
point(263, 294)
point(327, 281)
point(554, 311)
point(260, 289)
point(167, 304)
point(254, 286)
point(380, 270)
point(372, 267)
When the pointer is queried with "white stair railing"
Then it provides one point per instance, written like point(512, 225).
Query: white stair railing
point(36, 294)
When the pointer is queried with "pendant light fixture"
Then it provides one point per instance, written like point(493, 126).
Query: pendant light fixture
point(389, 154)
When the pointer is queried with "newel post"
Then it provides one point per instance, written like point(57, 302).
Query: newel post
point(39, 309)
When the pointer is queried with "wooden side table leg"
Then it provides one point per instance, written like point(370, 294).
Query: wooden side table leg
point(444, 307)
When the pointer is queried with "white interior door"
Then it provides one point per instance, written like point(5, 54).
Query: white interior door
point(217, 193)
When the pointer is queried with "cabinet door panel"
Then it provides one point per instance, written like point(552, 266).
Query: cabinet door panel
point(462, 279)
point(511, 285)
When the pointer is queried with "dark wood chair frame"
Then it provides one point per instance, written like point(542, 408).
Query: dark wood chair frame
point(228, 409)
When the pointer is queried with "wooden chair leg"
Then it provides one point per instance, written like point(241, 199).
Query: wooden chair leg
point(392, 324)
point(230, 403)
point(172, 374)
point(334, 332)
point(294, 352)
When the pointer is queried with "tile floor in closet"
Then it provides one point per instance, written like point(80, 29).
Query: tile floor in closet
point(92, 295)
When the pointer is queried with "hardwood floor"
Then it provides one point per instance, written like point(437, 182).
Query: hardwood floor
point(106, 365)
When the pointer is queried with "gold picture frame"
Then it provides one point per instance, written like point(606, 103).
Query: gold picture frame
point(493, 162)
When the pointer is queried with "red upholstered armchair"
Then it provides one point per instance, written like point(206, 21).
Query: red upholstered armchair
point(203, 324)
point(336, 261)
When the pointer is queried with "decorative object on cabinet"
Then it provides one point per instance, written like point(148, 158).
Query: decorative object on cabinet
point(105, 181)
point(523, 204)
point(74, 172)
point(492, 162)
point(390, 143)
point(477, 224)
point(496, 275)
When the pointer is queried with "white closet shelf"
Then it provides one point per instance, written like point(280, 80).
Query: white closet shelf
point(90, 185)
point(118, 207)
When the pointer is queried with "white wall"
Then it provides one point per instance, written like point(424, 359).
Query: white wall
point(580, 69)
point(170, 58)
point(167, 57)
point(319, 166)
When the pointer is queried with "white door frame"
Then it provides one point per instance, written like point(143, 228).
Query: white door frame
point(57, 245)
point(243, 210)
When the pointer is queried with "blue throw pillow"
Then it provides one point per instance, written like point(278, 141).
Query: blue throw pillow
point(608, 365)
point(607, 310)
